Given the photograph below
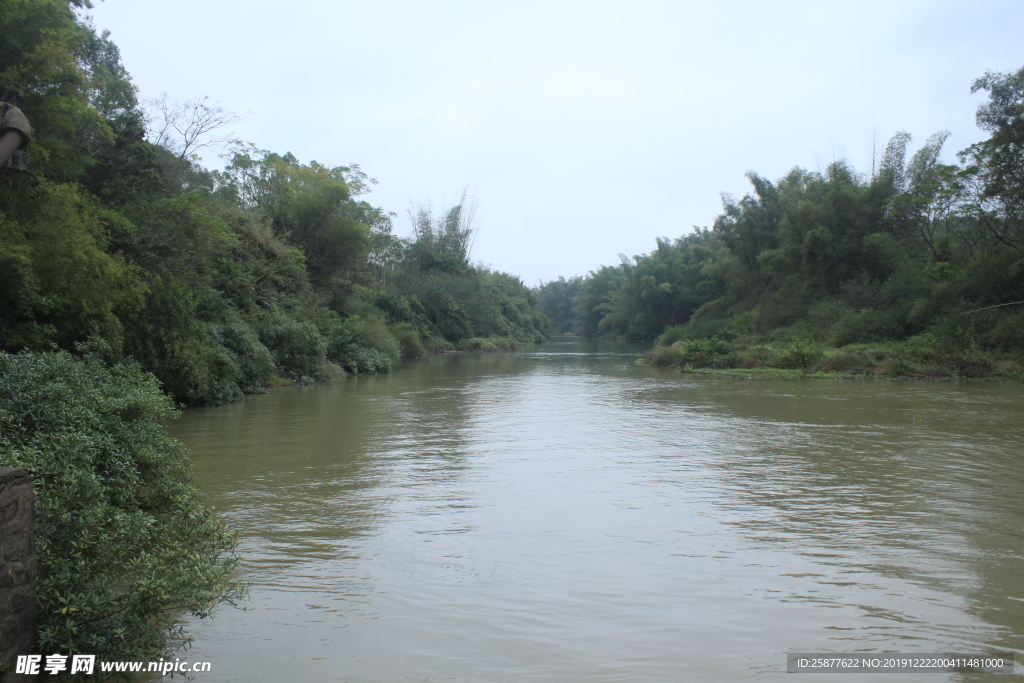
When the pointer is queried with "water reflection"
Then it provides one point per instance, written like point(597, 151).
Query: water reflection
point(563, 514)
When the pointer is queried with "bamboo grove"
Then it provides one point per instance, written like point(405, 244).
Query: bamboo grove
point(914, 269)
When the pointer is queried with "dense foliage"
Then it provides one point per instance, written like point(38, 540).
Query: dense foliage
point(206, 285)
point(124, 544)
point(218, 282)
point(557, 300)
point(921, 253)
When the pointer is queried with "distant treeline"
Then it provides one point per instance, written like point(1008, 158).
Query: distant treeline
point(918, 250)
point(218, 282)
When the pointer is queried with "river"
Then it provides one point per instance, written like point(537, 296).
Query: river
point(563, 514)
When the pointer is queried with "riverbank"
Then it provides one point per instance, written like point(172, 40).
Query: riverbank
point(808, 373)
point(920, 357)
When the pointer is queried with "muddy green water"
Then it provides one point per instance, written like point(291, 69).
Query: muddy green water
point(561, 514)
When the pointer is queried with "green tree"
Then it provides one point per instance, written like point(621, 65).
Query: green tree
point(557, 300)
point(59, 283)
point(997, 164)
point(310, 204)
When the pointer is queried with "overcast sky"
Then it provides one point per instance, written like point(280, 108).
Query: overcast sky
point(586, 128)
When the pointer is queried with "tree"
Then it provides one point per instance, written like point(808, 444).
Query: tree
point(749, 226)
point(443, 241)
point(556, 299)
point(997, 164)
point(311, 205)
point(187, 127)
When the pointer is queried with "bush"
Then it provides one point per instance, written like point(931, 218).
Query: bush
point(237, 363)
point(1008, 334)
point(852, 328)
point(505, 343)
point(696, 353)
point(477, 344)
point(664, 356)
point(409, 339)
point(298, 348)
point(453, 320)
point(922, 348)
point(432, 344)
point(252, 361)
point(361, 360)
point(364, 345)
point(841, 361)
point(763, 355)
point(488, 344)
point(670, 336)
point(972, 366)
point(373, 333)
point(395, 307)
point(168, 340)
point(124, 542)
point(797, 355)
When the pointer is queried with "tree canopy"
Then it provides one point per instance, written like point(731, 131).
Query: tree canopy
point(921, 249)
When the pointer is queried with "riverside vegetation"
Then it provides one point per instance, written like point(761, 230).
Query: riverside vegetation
point(217, 282)
point(914, 270)
point(132, 279)
point(123, 540)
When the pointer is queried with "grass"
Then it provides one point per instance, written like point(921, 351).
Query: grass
point(487, 344)
point(919, 357)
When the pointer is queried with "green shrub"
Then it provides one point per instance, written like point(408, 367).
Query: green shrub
point(504, 343)
point(1010, 369)
point(298, 348)
point(923, 347)
point(477, 344)
point(409, 339)
point(433, 344)
point(254, 362)
point(453, 320)
point(841, 361)
point(1008, 334)
point(971, 365)
point(373, 333)
point(745, 362)
point(696, 353)
point(124, 543)
point(364, 345)
point(361, 360)
point(488, 344)
point(707, 327)
point(670, 336)
point(237, 363)
point(853, 327)
point(765, 355)
point(665, 356)
point(395, 307)
point(222, 380)
point(797, 355)
point(168, 340)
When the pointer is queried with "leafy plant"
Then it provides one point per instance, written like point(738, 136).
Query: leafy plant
point(124, 542)
point(797, 355)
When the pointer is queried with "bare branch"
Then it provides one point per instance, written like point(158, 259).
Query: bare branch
point(186, 127)
point(1012, 303)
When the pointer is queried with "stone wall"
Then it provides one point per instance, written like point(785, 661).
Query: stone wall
point(18, 615)
point(19, 160)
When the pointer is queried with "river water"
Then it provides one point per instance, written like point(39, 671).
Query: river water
point(562, 514)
